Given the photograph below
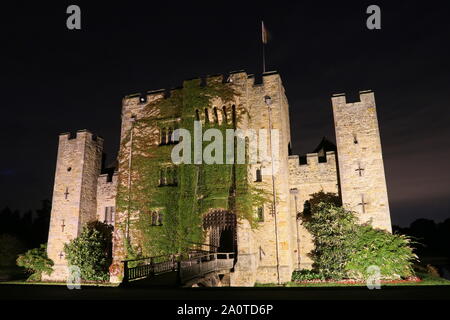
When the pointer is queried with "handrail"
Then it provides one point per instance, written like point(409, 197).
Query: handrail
point(141, 259)
point(195, 265)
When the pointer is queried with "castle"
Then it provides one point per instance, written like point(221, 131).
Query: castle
point(270, 253)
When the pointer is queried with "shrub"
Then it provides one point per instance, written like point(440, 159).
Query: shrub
point(332, 228)
point(345, 249)
point(91, 252)
point(10, 247)
point(307, 275)
point(390, 252)
point(36, 262)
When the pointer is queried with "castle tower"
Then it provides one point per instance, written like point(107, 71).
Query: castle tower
point(266, 255)
point(361, 169)
point(74, 195)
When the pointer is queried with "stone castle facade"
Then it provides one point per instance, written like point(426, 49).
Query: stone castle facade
point(269, 254)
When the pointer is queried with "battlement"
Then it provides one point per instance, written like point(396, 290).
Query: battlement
point(80, 134)
point(233, 76)
point(108, 178)
point(313, 159)
point(365, 96)
point(313, 170)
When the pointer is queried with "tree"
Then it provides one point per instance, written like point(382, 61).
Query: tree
point(42, 222)
point(91, 252)
point(10, 247)
point(36, 262)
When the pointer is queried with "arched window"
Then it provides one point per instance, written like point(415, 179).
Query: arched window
point(162, 177)
point(154, 217)
point(216, 116)
point(260, 214)
point(160, 219)
point(206, 115)
point(163, 136)
point(170, 134)
point(258, 175)
point(175, 176)
point(225, 116)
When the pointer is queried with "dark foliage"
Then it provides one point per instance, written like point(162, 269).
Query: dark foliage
point(432, 239)
point(31, 228)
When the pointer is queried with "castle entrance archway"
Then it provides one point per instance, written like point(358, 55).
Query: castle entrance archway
point(221, 227)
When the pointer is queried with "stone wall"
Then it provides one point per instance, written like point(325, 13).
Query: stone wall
point(106, 194)
point(74, 194)
point(361, 168)
point(305, 180)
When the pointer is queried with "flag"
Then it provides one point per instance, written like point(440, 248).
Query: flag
point(265, 35)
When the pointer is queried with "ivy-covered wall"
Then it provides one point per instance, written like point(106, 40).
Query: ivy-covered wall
point(167, 202)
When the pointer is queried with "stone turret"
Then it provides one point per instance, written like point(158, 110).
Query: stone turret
point(74, 194)
point(361, 169)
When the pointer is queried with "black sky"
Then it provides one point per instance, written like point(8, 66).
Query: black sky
point(55, 80)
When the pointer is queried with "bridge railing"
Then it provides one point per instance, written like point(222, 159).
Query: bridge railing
point(204, 264)
point(145, 267)
point(189, 266)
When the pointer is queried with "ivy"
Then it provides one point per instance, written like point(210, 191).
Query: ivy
point(200, 188)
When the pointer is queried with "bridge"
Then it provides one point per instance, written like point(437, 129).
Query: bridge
point(194, 268)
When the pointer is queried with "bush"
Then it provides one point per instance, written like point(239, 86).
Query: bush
point(345, 249)
point(36, 262)
point(10, 248)
point(390, 252)
point(307, 275)
point(332, 228)
point(91, 252)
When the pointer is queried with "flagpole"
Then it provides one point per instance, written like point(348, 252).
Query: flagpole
point(264, 57)
point(264, 41)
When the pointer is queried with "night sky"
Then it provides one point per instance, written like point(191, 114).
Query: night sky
point(55, 80)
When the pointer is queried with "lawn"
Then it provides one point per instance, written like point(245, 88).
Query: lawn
point(42, 283)
point(18, 276)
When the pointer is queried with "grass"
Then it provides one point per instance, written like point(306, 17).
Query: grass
point(42, 283)
point(17, 276)
point(427, 280)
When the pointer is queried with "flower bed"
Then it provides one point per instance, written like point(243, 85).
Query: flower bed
point(408, 280)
